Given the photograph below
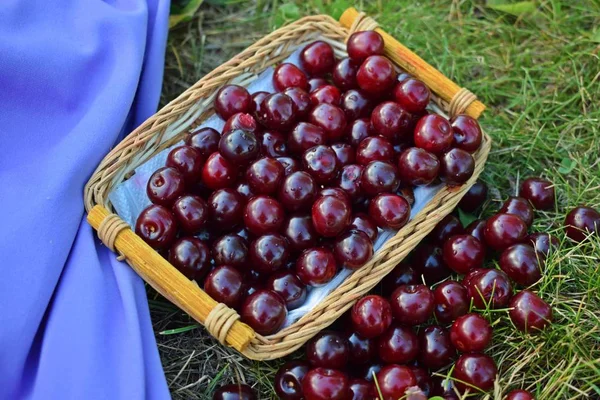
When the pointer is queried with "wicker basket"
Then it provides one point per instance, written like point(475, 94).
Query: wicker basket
point(169, 125)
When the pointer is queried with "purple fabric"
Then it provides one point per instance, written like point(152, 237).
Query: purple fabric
point(74, 75)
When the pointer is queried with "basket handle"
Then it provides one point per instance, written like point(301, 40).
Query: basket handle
point(459, 99)
point(221, 321)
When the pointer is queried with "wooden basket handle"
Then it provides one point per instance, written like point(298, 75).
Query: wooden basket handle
point(459, 99)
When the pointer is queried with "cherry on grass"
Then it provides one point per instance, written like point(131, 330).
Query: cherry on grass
point(520, 207)
point(265, 176)
point(474, 372)
point(264, 311)
point(301, 99)
point(393, 380)
point(230, 250)
point(522, 264)
point(363, 44)
point(376, 75)
point(529, 312)
point(467, 133)
point(235, 391)
point(417, 166)
point(191, 257)
point(330, 118)
point(218, 172)
point(540, 192)
point(463, 253)
point(328, 349)
point(165, 186)
point(581, 221)
point(470, 333)
point(543, 243)
point(519, 394)
point(389, 211)
point(423, 379)
point(398, 345)
point(325, 384)
point(226, 207)
point(504, 230)
point(412, 304)
point(287, 75)
point(317, 58)
point(191, 213)
point(232, 99)
point(435, 348)
point(263, 215)
point(451, 300)
point(225, 285)
point(412, 95)
point(156, 225)
point(330, 216)
point(353, 249)
point(205, 140)
point(288, 381)
point(476, 229)
point(488, 286)
point(316, 266)
point(474, 198)
point(371, 316)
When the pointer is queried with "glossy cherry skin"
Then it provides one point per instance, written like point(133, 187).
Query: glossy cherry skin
point(361, 350)
point(226, 207)
point(520, 207)
point(277, 111)
point(389, 211)
point(353, 249)
point(335, 192)
point(374, 148)
point(412, 95)
point(315, 83)
point(543, 243)
point(239, 147)
point(423, 379)
point(470, 333)
point(317, 58)
point(581, 221)
point(231, 250)
point(402, 274)
point(488, 286)
point(263, 215)
point(368, 371)
point(287, 285)
point(376, 75)
point(463, 253)
point(165, 186)
point(297, 191)
point(304, 136)
point(350, 181)
point(408, 193)
point(364, 223)
point(447, 227)
point(371, 316)
point(316, 266)
point(218, 173)
point(330, 216)
point(326, 94)
point(379, 177)
point(328, 349)
point(243, 121)
point(344, 153)
point(443, 387)
point(205, 140)
point(434, 134)
point(393, 380)
point(361, 389)
point(522, 264)
point(238, 391)
point(398, 345)
point(451, 300)
point(519, 394)
point(299, 231)
point(529, 312)
point(412, 304)
point(232, 99)
point(344, 74)
point(475, 371)
point(467, 133)
point(225, 285)
point(157, 226)
point(391, 121)
point(321, 163)
point(287, 75)
point(268, 253)
point(325, 384)
point(290, 165)
point(356, 105)
point(188, 161)
point(456, 167)
point(540, 192)
point(191, 257)
point(476, 229)
point(301, 99)
point(435, 348)
point(428, 260)
point(288, 381)
point(363, 44)
point(257, 98)
point(264, 311)
point(265, 176)
point(417, 166)
point(504, 230)
point(330, 118)
point(191, 213)
point(272, 144)
point(474, 198)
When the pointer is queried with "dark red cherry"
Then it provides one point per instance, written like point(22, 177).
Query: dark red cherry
point(315, 83)
point(349, 181)
point(443, 387)
point(389, 211)
point(288, 381)
point(188, 161)
point(379, 177)
point(582, 221)
point(191, 257)
point(263, 215)
point(326, 94)
point(519, 207)
point(463, 253)
point(344, 153)
point(471, 333)
point(218, 173)
point(363, 44)
point(301, 99)
point(344, 74)
point(543, 243)
point(243, 121)
point(297, 191)
point(412, 304)
point(156, 225)
point(335, 192)
point(226, 207)
point(376, 75)
point(264, 311)
point(191, 213)
point(316, 266)
point(231, 99)
point(356, 105)
point(239, 147)
point(257, 98)
point(273, 144)
point(467, 133)
point(522, 264)
point(330, 216)
point(428, 260)
point(231, 250)
point(474, 198)
point(447, 227)
point(362, 350)
point(317, 58)
point(393, 380)
point(321, 163)
point(290, 165)
point(277, 111)
point(408, 193)
point(265, 176)
point(238, 391)
point(300, 233)
point(398, 345)
point(304, 136)
point(503, 230)
point(529, 312)
point(361, 389)
point(287, 75)
point(475, 372)
point(451, 300)
point(371, 316)
point(268, 253)
point(289, 287)
point(325, 384)
point(519, 394)
point(434, 134)
point(205, 140)
point(540, 192)
point(328, 349)
point(374, 148)
point(412, 95)
point(488, 286)
point(417, 166)
point(402, 274)
point(353, 249)
point(435, 348)
point(364, 223)
point(391, 121)
point(456, 167)
point(243, 189)
point(330, 118)
point(225, 285)
point(165, 186)
point(423, 379)
point(476, 229)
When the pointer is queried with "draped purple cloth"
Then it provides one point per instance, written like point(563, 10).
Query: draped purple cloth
point(74, 76)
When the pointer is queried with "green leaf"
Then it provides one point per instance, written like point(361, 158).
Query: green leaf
point(179, 330)
point(286, 13)
point(567, 165)
point(596, 36)
point(182, 11)
point(436, 398)
point(517, 9)
point(337, 8)
point(465, 218)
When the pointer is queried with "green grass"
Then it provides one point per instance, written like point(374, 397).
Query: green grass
point(539, 75)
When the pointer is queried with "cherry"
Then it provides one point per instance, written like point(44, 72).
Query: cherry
point(463, 253)
point(412, 304)
point(263, 215)
point(257, 98)
point(447, 227)
point(474, 198)
point(398, 345)
point(328, 349)
point(239, 147)
point(317, 58)
point(290, 165)
point(363, 44)
point(543, 242)
point(353, 249)
point(529, 312)
point(368, 371)
point(231, 99)
point(330, 216)
point(476, 229)
point(325, 384)
point(315, 83)
point(326, 94)
point(188, 161)
point(408, 193)
point(242, 121)
point(288, 381)
point(268, 253)
point(371, 316)
point(379, 177)
point(423, 380)
point(218, 173)
point(428, 260)
point(522, 264)
point(264, 311)
point(475, 371)
point(435, 349)
point(412, 95)
point(265, 176)
point(238, 391)
point(456, 167)
point(230, 250)
point(520, 207)
point(443, 387)
point(470, 333)
point(362, 350)
point(434, 134)
point(344, 74)
point(335, 192)
point(205, 140)
point(301, 99)
point(374, 148)
point(330, 118)
point(393, 380)
point(277, 111)
point(273, 144)
point(226, 207)
point(356, 105)
point(581, 221)
point(304, 136)
point(344, 153)
point(191, 257)
point(349, 180)
point(402, 274)
point(225, 285)
point(300, 233)
point(417, 166)
point(361, 389)
point(540, 192)
point(389, 211)
point(287, 75)
point(364, 223)
point(321, 163)
point(467, 133)
point(451, 300)
point(519, 394)
point(391, 121)
point(287, 285)
point(488, 286)
point(503, 230)
point(165, 186)
point(297, 191)
point(316, 266)
point(191, 213)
